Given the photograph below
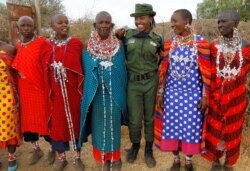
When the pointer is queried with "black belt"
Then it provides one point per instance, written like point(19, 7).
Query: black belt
point(140, 77)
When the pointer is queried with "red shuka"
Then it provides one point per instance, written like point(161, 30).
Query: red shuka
point(31, 87)
point(226, 110)
point(70, 56)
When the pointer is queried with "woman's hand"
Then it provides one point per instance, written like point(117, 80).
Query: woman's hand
point(203, 104)
point(159, 100)
point(120, 33)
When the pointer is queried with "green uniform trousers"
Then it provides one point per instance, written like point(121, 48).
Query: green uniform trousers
point(141, 103)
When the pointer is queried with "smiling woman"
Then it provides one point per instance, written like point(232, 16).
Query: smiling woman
point(103, 105)
point(63, 77)
point(182, 92)
point(30, 85)
point(143, 47)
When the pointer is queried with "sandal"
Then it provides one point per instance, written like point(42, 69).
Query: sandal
point(35, 156)
point(60, 165)
point(216, 166)
point(106, 166)
point(12, 163)
point(176, 164)
point(116, 165)
point(228, 168)
point(189, 165)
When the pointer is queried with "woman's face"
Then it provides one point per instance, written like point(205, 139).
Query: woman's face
point(226, 25)
point(61, 26)
point(143, 23)
point(103, 26)
point(178, 23)
point(26, 28)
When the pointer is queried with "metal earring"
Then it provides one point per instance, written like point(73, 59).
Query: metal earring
point(187, 26)
point(53, 35)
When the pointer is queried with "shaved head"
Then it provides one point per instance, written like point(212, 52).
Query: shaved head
point(55, 17)
point(102, 13)
point(186, 14)
point(24, 18)
point(233, 16)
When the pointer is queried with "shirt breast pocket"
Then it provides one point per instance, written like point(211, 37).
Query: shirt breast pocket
point(130, 45)
point(152, 47)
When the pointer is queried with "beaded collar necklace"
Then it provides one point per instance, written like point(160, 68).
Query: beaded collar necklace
point(227, 51)
point(23, 44)
point(186, 61)
point(103, 49)
point(59, 43)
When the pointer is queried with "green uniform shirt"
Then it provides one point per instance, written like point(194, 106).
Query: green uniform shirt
point(142, 52)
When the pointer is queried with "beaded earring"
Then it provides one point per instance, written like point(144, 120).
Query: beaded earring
point(236, 35)
point(53, 35)
point(189, 28)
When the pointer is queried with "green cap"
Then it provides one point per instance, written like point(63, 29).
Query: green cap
point(143, 9)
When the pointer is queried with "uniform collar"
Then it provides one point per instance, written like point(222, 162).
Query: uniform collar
point(143, 35)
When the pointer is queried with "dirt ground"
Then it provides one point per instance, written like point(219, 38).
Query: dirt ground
point(164, 160)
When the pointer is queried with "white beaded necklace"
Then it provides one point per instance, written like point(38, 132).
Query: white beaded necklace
point(227, 50)
point(60, 43)
point(175, 58)
point(105, 50)
point(105, 114)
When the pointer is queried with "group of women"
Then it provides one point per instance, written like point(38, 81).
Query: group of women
point(187, 94)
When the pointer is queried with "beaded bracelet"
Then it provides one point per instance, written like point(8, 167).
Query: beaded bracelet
point(161, 91)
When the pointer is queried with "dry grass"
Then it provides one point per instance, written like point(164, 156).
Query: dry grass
point(164, 160)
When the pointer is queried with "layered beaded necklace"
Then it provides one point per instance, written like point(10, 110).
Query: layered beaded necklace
point(104, 50)
point(185, 59)
point(59, 43)
point(227, 52)
point(60, 76)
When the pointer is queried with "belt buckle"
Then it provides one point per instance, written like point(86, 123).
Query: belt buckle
point(138, 77)
point(143, 77)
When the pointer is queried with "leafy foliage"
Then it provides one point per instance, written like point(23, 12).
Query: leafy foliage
point(48, 8)
point(4, 32)
point(209, 9)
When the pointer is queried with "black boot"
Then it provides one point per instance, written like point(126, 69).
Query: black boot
point(149, 157)
point(132, 153)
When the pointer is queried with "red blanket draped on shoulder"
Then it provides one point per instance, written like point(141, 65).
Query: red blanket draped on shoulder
point(70, 56)
point(31, 87)
point(226, 110)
